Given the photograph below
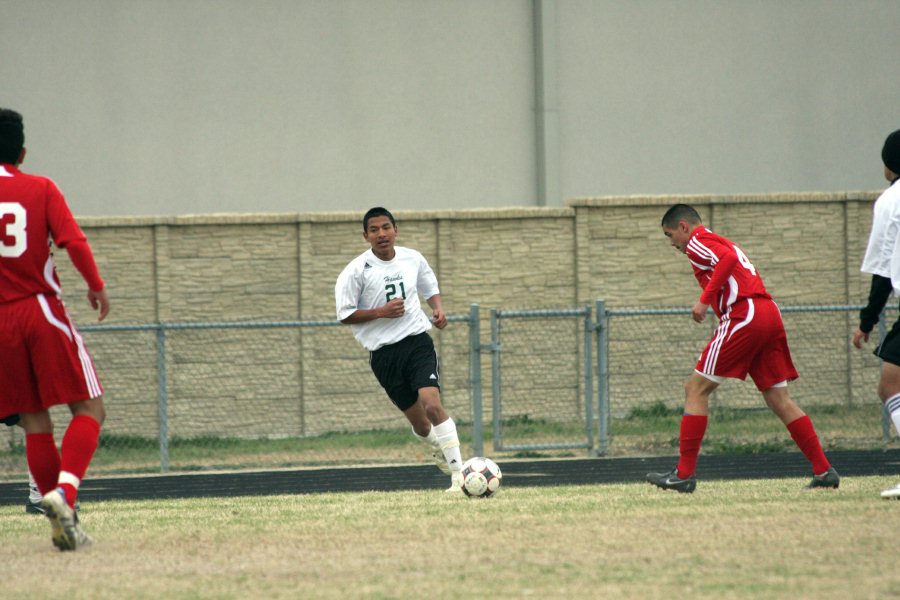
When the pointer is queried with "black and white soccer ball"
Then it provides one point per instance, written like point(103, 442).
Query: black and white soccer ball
point(481, 477)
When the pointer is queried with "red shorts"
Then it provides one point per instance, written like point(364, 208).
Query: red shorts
point(750, 339)
point(43, 356)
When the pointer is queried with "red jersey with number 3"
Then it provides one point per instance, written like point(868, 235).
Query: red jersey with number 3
point(723, 271)
point(33, 213)
point(45, 361)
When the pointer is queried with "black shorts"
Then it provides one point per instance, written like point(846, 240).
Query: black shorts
point(889, 348)
point(404, 368)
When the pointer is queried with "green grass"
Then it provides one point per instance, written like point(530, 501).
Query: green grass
point(737, 539)
point(648, 430)
point(654, 430)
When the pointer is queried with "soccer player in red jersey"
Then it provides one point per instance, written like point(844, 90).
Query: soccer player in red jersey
point(750, 340)
point(45, 362)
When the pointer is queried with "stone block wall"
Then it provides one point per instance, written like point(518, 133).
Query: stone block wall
point(277, 267)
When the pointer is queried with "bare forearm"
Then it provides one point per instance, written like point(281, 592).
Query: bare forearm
point(361, 316)
point(437, 311)
point(391, 310)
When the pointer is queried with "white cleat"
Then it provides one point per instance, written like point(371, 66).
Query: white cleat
point(438, 456)
point(456, 482)
point(893, 492)
point(64, 526)
point(82, 539)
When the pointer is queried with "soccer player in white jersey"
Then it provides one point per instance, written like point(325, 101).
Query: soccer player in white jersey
point(882, 260)
point(377, 294)
point(33, 503)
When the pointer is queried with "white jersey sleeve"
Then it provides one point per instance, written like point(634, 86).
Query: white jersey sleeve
point(426, 282)
point(883, 238)
point(347, 289)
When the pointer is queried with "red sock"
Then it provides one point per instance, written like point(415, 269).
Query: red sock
point(804, 435)
point(693, 428)
point(78, 446)
point(43, 460)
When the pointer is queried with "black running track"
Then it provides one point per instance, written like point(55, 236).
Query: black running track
point(579, 471)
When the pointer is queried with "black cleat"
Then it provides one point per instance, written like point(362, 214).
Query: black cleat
point(671, 481)
point(828, 479)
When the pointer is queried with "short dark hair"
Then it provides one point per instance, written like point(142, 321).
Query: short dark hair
point(680, 212)
point(378, 211)
point(12, 136)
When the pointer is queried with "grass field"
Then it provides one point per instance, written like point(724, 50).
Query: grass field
point(652, 431)
point(732, 539)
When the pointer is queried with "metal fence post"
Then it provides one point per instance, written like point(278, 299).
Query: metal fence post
point(588, 377)
point(602, 378)
point(495, 378)
point(475, 378)
point(163, 398)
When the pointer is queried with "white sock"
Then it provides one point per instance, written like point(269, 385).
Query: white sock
point(893, 406)
point(448, 440)
point(34, 494)
point(429, 439)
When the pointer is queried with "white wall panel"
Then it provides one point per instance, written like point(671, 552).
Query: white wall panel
point(199, 106)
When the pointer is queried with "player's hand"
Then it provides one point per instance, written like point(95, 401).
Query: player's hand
point(698, 312)
point(394, 309)
point(859, 337)
point(438, 318)
point(99, 300)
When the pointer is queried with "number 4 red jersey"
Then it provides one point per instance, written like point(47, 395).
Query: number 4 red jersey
point(33, 213)
point(723, 271)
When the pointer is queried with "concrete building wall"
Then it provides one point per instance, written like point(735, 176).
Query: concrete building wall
point(198, 107)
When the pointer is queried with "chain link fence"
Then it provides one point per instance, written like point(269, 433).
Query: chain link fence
point(264, 395)
point(542, 380)
point(257, 395)
point(652, 352)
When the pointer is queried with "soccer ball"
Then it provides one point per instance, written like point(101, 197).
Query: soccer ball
point(481, 477)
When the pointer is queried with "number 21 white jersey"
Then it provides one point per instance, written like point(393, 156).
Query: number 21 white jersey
point(369, 282)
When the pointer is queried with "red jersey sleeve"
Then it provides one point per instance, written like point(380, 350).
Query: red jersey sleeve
point(63, 227)
point(723, 269)
point(66, 233)
point(83, 259)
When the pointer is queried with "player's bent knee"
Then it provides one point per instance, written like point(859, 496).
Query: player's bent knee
point(39, 422)
point(436, 414)
point(90, 408)
point(431, 404)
